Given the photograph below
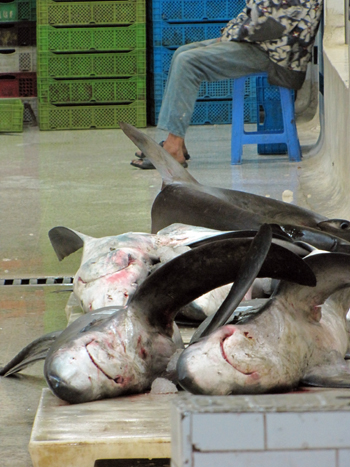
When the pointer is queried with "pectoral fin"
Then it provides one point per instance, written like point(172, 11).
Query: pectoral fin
point(247, 273)
point(33, 352)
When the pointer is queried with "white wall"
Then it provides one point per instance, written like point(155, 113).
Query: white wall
point(325, 179)
point(335, 6)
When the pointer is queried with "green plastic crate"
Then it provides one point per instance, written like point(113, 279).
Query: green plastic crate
point(50, 39)
point(80, 117)
point(18, 10)
point(92, 91)
point(90, 13)
point(109, 65)
point(11, 115)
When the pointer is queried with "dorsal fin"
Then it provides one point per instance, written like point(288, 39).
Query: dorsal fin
point(169, 169)
point(66, 241)
point(194, 273)
point(332, 271)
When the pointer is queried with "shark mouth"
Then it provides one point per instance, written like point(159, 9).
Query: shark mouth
point(118, 379)
point(224, 356)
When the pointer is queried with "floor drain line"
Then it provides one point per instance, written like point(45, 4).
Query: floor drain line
point(38, 281)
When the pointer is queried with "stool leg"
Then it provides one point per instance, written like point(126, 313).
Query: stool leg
point(290, 129)
point(237, 121)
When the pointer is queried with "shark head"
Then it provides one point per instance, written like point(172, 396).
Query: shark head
point(106, 354)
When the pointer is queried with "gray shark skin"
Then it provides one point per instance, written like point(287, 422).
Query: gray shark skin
point(116, 351)
point(289, 341)
point(183, 199)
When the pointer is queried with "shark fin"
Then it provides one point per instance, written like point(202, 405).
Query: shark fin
point(248, 271)
point(169, 169)
point(66, 241)
point(332, 274)
point(205, 268)
point(33, 352)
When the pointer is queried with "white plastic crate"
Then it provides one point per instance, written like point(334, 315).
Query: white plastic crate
point(17, 59)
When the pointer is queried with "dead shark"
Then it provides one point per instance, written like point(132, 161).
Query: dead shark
point(110, 282)
point(121, 350)
point(113, 267)
point(288, 341)
point(183, 199)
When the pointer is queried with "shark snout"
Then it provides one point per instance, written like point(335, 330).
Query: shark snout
point(66, 391)
point(204, 358)
point(214, 364)
point(70, 375)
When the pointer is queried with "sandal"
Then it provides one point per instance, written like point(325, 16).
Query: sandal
point(142, 155)
point(146, 164)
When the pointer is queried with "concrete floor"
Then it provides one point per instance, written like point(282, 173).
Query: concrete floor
point(83, 180)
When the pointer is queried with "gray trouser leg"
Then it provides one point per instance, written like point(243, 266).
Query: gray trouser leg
point(203, 61)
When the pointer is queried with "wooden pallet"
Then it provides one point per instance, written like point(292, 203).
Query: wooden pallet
point(130, 427)
point(133, 427)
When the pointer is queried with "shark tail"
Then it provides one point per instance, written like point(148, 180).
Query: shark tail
point(169, 169)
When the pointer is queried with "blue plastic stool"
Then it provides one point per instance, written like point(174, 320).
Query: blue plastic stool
point(239, 137)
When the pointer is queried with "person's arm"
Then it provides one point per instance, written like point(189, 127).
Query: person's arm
point(259, 25)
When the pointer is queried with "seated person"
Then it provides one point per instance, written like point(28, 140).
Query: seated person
point(275, 36)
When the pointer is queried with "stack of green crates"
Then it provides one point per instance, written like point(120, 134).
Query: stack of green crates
point(17, 63)
point(11, 115)
point(91, 64)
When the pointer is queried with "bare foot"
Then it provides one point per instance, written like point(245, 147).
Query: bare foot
point(175, 146)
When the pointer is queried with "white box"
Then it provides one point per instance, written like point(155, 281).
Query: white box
point(17, 59)
point(307, 428)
